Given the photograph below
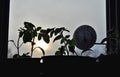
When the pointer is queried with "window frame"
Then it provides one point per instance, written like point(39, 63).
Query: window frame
point(4, 24)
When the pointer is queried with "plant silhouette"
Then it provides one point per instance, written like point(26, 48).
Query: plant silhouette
point(67, 46)
point(29, 32)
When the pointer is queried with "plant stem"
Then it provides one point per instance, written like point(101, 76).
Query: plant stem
point(76, 53)
point(31, 50)
point(32, 43)
point(66, 48)
point(21, 45)
point(18, 46)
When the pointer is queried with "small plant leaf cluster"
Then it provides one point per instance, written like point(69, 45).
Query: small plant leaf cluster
point(68, 45)
point(29, 32)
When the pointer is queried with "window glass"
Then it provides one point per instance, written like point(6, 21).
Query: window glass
point(56, 13)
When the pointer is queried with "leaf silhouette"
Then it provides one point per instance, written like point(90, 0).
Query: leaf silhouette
point(51, 34)
point(57, 38)
point(58, 30)
point(61, 51)
point(72, 42)
point(62, 40)
point(71, 49)
point(49, 30)
point(67, 36)
point(43, 31)
point(65, 29)
point(28, 25)
point(21, 34)
point(46, 38)
point(27, 37)
point(58, 53)
point(33, 33)
point(38, 28)
point(39, 36)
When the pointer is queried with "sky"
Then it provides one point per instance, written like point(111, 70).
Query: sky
point(57, 13)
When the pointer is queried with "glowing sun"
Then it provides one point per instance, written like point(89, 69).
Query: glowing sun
point(42, 44)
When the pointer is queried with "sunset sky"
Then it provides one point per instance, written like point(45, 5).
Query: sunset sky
point(56, 13)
